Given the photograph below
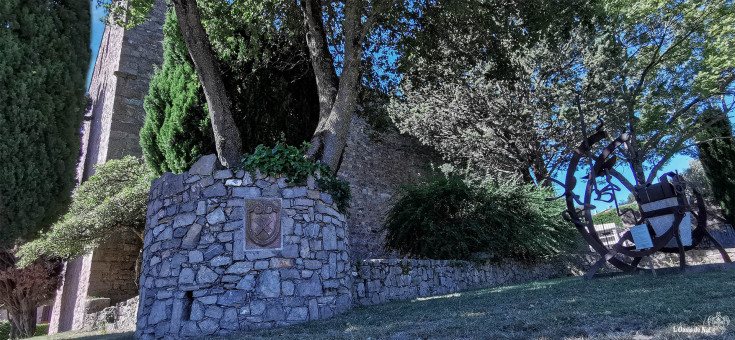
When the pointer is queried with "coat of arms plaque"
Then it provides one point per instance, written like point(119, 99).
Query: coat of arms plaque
point(262, 224)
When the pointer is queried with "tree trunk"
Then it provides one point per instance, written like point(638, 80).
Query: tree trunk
point(330, 137)
point(22, 321)
point(322, 61)
point(226, 136)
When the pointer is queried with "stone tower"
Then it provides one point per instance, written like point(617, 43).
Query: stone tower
point(124, 66)
point(375, 167)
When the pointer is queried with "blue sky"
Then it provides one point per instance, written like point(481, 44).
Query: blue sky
point(679, 163)
point(98, 28)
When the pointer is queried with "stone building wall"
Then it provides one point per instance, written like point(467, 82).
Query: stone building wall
point(125, 63)
point(112, 273)
point(204, 274)
point(376, 165)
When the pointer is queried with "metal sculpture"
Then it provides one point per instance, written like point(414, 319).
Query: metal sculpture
point(664, 211)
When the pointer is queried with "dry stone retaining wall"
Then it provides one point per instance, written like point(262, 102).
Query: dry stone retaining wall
point(381, 281)
point(199, 279)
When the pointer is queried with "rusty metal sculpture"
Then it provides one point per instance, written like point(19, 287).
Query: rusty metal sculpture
point(663, 208)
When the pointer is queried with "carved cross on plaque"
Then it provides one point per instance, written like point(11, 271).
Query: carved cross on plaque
point(262, 224)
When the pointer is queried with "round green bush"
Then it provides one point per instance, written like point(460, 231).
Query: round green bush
point(445, 218)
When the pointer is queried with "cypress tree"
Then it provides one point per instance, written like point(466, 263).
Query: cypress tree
point(44, 55)
point(269, 98)
point(717, 154)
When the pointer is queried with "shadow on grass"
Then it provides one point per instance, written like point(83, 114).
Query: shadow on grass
point(611, 308)
point(87, 336)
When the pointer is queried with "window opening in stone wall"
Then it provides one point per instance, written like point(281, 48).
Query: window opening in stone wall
point(186, 305)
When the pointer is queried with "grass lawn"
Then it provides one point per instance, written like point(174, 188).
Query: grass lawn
point(674, 306)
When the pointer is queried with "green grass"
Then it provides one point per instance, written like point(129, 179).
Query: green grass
point(674, 306)
point(667, 307)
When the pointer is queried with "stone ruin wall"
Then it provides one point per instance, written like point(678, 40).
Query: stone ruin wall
point(203, 275)
point(113, 273)
point(124, 65)
point(376, 165)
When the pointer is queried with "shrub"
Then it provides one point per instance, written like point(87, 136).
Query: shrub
point(41, 329)
point(611, 215)
point(445, 218)
point(291, 162)
point(4, 329)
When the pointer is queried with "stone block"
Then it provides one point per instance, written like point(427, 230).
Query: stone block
point(269, 284)
point(222, 174)
point(240, 268)
point(246, 192)
point(274, 312)
point(186, 276)
point(329, 238)
point(220, 261)
point(182, 220)
point(215, 190)
point(298, 314)
point(191, 239)
point(209, 326)
point(311, 287)
point(229, 320)
point(206, 275)
point(213, 250)
point(158, 312)
point(195, 256)
point(230, 298)
point(213, 312)
point(247, 283)
point(216, 216)
point(204, 166)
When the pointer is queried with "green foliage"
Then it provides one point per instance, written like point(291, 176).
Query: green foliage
point(446, 218)
point(611, 215)
point(44, 55)
point(651, 70)
point(290, 161)
point(270, 81)
point(696, 179)
point(177, 130)
point(4, 329)
point(114, 198)
point(41, 329)
point(717, 154)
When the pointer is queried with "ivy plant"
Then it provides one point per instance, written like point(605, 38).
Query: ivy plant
point(291, 162)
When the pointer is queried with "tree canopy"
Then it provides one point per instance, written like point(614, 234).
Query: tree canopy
point(114, 199)
point(651, 70)
point(271, 85)
point(44, 55)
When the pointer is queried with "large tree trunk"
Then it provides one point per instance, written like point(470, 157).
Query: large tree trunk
point(23, 321)
point(226, 136)
point(330, 136)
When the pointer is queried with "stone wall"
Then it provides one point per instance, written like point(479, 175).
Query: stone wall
point(125, 63)
point(202, 272)
point(112, 273)
point(376, 164)
point(113, 319)
point(381, 281)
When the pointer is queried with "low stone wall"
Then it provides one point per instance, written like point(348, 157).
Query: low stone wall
point(227, 252)
point(114, 319)
point(381, 281)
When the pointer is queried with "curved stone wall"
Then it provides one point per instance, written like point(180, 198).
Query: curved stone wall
point(218, 258)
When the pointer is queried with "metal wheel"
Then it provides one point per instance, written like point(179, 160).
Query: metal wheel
point(623, 254)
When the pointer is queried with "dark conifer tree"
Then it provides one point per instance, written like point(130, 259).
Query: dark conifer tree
point(717, 154)
point(44, 55)
point(270, 97)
